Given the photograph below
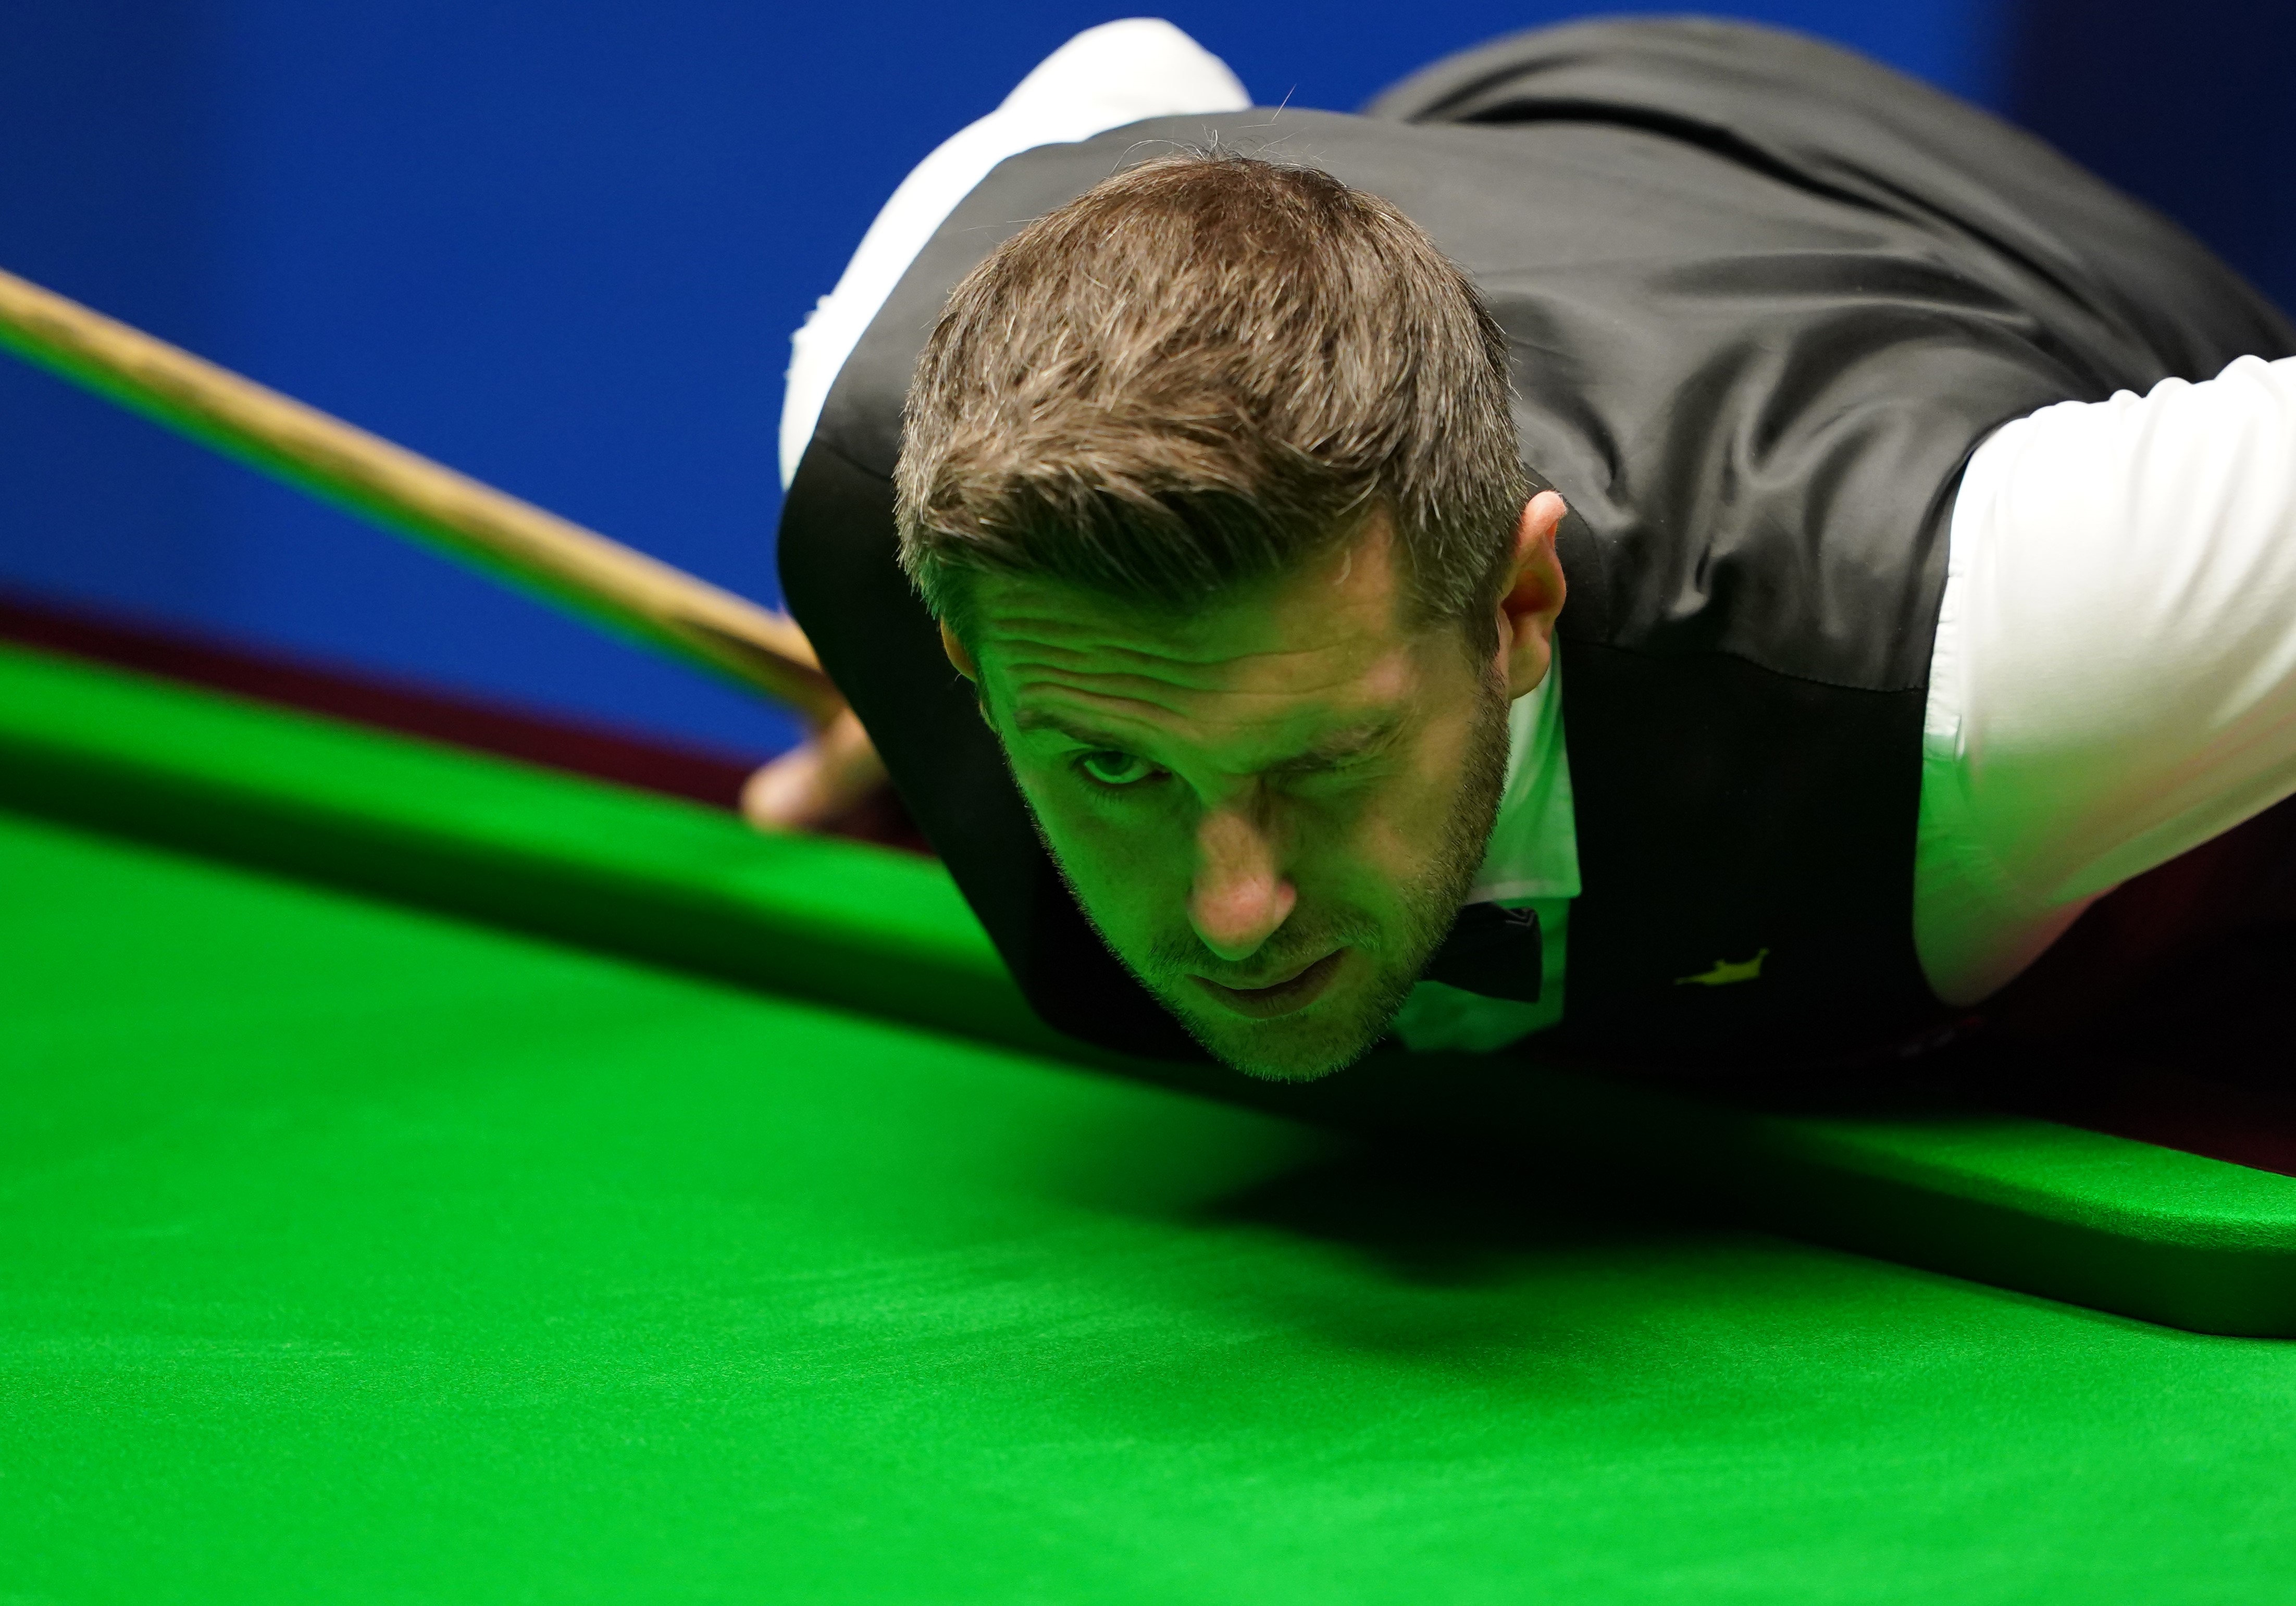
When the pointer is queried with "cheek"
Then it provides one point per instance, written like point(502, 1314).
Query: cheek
point(1403, 824)
point(1393, 830)
point(1122, 864)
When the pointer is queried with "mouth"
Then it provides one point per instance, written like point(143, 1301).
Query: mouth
point(1294, 993)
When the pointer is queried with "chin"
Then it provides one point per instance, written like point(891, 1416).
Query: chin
point(1292, 1048)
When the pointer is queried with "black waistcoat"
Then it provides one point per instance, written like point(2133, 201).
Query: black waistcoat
point(1764, 298)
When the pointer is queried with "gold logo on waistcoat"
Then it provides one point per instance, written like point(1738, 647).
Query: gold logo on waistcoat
point(1725, 971)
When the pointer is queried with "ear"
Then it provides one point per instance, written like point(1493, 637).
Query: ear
point(958, 657)
point(1533, 596)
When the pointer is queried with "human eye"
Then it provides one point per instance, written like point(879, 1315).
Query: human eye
point(1113, 766)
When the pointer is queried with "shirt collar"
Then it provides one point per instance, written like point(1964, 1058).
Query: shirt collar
point(1534, 847)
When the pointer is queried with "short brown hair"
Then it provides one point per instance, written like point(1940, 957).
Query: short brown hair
point(1198, 372)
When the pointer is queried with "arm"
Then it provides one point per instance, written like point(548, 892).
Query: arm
point(2115, 676)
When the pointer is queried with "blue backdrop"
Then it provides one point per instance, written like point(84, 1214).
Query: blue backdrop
point(562, 247)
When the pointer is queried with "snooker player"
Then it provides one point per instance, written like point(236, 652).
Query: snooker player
point(1665, 536)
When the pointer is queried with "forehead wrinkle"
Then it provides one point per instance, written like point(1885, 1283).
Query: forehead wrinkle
point(1311, 670)
point(1262, 679)
point(1176, 698)
point(1032, 645)
point(1156, 692)
point(1295, 734)
point(1142, 710)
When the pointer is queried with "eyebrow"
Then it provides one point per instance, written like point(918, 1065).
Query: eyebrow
point(1351, 744)
point(1039, 719)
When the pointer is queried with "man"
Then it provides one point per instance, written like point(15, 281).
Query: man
point(1245, 524)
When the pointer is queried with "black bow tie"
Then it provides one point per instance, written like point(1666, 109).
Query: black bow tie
point(1493, 951)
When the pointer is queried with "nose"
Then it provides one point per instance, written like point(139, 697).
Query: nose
point(1239, 897)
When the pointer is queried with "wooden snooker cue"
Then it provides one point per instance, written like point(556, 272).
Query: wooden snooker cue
point(601, 580)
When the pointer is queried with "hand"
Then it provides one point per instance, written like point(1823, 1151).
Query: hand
point(828, 775)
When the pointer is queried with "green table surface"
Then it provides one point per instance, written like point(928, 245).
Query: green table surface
point(1945, 1182)
point(352, 1252)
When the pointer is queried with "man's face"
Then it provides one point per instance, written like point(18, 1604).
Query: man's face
point(1271, 807)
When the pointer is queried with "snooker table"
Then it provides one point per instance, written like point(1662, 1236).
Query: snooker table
point(369, 1237)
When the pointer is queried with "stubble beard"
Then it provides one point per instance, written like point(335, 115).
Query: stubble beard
point(1334, 1033)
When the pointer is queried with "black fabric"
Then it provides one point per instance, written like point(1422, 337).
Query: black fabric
point(1493, 950)
point(1764, 298)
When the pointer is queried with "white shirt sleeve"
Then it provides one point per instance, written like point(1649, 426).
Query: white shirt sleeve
point(1106, 77)
point(2114, 680)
